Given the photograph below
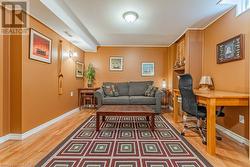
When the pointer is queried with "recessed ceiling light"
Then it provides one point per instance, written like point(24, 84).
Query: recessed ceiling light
point(130, 16)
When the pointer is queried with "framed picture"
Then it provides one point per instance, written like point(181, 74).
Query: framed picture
point(79, 69)
point(40, 47)
point(230, 50)
point(116, 63)
point(148, 69)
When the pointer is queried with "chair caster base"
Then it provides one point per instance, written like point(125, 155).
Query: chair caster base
point(204, 142)
point(218, 138)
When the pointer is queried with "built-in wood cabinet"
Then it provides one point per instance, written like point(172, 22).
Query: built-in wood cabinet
point(189, 56)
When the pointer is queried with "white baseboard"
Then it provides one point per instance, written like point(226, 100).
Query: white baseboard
point(23, 136)
point(233, 135)
point(36, 129)
point(4, 138)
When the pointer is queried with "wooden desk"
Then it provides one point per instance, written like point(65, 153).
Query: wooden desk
point(86, 92)
point(212, 99)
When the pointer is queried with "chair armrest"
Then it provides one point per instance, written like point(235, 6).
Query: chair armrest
point(158, 97)
point(99, 95)
point(159, 94)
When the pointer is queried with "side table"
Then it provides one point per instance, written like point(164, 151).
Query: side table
point(86, 95)
point(166, 93)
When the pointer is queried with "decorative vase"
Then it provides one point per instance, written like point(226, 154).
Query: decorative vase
point(90, 84)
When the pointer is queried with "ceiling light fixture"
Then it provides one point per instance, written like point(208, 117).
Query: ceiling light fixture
point(130, 16)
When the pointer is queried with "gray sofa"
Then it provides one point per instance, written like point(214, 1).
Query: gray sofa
point(130, 93)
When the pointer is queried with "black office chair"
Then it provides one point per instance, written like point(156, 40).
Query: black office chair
point(192, 109)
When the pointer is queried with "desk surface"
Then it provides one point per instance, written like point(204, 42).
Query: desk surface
point(212, 99)
point(218, 94)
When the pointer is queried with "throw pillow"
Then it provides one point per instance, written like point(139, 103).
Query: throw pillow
point(148, 91)
point(108, 91)
point(153, 91)
point(115, 90)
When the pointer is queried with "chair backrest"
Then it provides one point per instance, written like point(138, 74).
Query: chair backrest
point(189, 101)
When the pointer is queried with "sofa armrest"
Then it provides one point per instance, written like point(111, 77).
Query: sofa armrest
point(99, 95)
point(158, 97)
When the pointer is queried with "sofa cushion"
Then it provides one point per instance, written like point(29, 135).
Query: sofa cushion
point(142, 100)
point(139, 88)
point(116, 100)
point(122, 88)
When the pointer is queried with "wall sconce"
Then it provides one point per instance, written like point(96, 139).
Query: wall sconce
point(72, 54)
point(75, 54)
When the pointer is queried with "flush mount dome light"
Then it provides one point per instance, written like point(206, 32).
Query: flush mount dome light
point(130, 16)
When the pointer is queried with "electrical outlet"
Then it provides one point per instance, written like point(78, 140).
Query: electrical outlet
point(241, 119)
point(71, 93)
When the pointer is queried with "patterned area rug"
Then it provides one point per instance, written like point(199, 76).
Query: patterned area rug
point(124, 142)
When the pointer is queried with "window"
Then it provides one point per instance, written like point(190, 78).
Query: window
point(242, 5)
point(247, 4)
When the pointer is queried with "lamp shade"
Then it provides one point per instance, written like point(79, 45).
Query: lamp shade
point(206, 80)
point(164, 84)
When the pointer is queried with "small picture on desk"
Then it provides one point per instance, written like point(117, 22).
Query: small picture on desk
point(79, 70)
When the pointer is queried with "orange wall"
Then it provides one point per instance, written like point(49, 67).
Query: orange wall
point(1, 85)
point(15, 83)
point(232, 76)
point(133, 57)
point(170, 61)
point(29, 90)
point(4, 84)
point(40, 99)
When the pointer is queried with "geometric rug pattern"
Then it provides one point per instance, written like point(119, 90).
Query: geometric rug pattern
point(124, 142)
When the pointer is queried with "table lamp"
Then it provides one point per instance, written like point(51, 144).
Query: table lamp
point(164, 84)
point(206, 83)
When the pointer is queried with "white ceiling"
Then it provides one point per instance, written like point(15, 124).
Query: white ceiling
point(100, 22)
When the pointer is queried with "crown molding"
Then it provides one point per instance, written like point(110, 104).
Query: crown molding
point(134, 46)
point(63, 12)
point(202, 28)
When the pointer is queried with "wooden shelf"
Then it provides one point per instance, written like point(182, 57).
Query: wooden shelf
point(180, 69)
point(189, 47)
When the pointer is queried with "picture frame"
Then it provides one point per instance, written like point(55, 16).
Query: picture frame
point(40, 47)
point(230, 50)
point(116, 63)
point(148, 69)
point(79, 69)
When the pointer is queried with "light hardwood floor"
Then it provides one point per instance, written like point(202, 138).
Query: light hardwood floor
point(28, 152)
